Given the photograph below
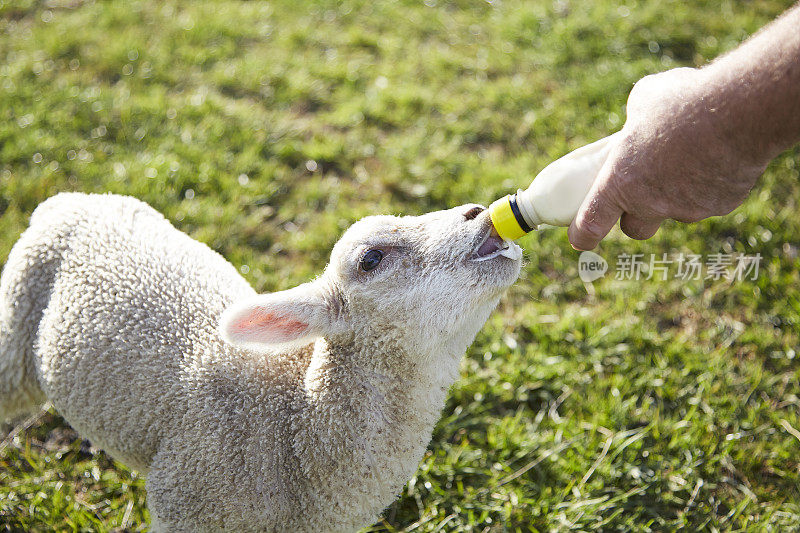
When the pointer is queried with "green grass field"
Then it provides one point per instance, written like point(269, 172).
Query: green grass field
point(265, 129)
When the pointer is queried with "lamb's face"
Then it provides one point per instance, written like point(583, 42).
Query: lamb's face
point(427, 283)
point(432, 279)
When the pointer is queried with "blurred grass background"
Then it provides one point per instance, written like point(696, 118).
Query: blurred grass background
point(265, 128)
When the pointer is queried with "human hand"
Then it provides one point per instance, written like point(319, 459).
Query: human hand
point(677, 158)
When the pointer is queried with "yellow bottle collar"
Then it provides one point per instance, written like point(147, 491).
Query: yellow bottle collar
point(504, 221)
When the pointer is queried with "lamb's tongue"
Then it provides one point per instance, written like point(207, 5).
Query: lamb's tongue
point(491, 245)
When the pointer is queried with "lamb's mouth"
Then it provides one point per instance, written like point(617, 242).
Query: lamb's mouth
point(493, 246)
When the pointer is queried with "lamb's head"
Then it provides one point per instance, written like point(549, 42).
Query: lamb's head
point(426, 283)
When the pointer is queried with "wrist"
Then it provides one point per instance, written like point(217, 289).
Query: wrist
point(733, 119)
point(755, 90)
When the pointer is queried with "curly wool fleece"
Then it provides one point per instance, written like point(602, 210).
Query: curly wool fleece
point(305, 410)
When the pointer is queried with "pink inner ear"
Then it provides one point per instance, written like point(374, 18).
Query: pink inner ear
point(272, 326)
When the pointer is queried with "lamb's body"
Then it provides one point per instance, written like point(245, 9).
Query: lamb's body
point(112, 314)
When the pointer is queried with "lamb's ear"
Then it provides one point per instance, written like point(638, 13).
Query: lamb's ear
point(290, 317)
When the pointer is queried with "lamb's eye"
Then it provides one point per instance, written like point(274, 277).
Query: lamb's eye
point(370, 260)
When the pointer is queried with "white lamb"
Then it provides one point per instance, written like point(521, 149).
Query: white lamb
point(302, 410)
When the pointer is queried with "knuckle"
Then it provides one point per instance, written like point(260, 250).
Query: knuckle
point(643, 87)
point(645, 82)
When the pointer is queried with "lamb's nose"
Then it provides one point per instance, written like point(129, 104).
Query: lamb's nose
point(474, 212)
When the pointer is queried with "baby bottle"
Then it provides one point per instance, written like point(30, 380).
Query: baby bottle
point(556, 194)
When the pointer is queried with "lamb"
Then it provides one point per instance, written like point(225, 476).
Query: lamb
point(301, 410)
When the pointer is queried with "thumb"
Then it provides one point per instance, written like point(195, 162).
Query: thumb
point(597, 215)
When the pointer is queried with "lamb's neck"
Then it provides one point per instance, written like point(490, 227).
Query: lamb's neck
point(370, 415)
point(386, 376)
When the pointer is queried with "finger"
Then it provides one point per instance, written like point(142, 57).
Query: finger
point(638, 227)
point(597, 215)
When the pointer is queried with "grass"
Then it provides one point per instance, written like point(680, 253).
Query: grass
point(264, 129)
